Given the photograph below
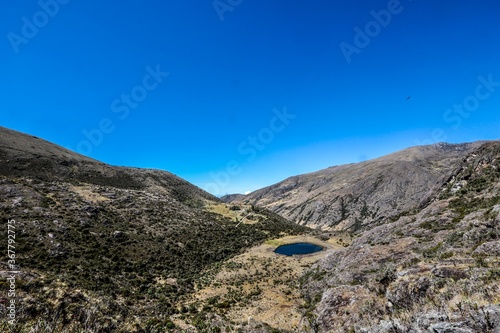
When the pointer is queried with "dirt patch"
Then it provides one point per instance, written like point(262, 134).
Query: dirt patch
point(87, 194)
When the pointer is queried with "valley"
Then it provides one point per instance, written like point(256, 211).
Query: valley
point(410, 244)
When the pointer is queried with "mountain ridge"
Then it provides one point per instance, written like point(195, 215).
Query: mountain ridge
point(339, 197)
point(47, 161)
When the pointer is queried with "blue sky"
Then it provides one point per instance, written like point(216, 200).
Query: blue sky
point(234, 95)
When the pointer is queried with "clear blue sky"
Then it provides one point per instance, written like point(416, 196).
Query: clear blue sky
point(341, 98)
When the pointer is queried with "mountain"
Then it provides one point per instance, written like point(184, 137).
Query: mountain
point(232, 197)
point(421, 236)
point(359, 196)
point(27, 156)
point(435, 269)
point(411, 243)
point(101, 248)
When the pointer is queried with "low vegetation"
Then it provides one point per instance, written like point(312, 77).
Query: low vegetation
point(414, 248)
point(108, 259)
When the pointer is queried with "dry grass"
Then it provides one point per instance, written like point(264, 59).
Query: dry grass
point(260, 284)
point(87, 194)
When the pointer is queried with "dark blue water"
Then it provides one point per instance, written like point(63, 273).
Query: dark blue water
point(297, 248)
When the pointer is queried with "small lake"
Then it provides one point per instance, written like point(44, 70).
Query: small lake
point(297, 248)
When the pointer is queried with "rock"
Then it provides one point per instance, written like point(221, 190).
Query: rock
point(389, 326)
point(491, 315)
point(424, 320)
point(449, 272)
point(17, 201)
point(449, 328)
point(489, 248)
point(110, 195)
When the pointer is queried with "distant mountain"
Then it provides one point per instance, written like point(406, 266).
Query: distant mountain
point(359, 196)
point(232, 197)
point(110, 249)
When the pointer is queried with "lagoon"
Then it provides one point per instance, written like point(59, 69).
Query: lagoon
point(297, 248)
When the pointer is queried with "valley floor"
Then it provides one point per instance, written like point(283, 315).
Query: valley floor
point(258, 285)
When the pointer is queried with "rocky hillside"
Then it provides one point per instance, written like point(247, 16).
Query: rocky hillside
point(411, 244)
point(110, 249)
point(26, 156)
point(433, 270)
point(360, 196)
